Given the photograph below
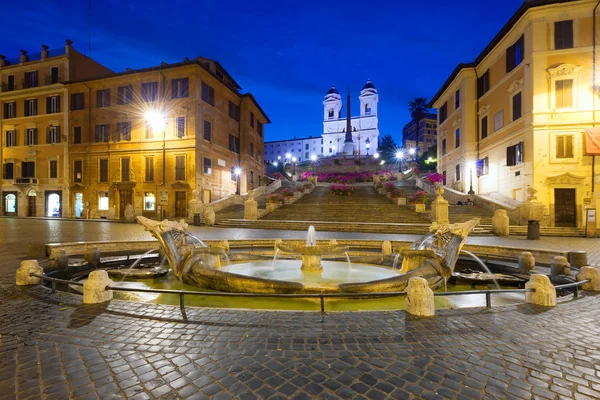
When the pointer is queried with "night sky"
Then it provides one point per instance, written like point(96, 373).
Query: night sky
point(286, 52)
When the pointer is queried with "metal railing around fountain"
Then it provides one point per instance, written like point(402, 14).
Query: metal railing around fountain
point(320, 296)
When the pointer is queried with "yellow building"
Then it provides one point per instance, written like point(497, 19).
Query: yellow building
point(161, 139)
point(515, 117)
point(34, 127)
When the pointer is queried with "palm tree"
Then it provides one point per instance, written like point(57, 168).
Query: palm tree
point(418, 109)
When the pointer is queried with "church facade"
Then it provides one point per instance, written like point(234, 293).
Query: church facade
point(334, 141)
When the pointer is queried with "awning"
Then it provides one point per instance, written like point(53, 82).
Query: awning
point(592, 141)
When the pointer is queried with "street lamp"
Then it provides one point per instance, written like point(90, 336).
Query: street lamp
point(288, 156)
point(368, 145)
point(313, 159)
point(293, 166)
point(275, 164)
point(471, 166)
point(412, 151)
point(399, 157)
point(237, 171)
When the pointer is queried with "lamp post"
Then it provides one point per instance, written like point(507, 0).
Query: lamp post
point(376, 157)
point(293, 166)
point(471, 166)
point(368, 145)
point(399, 157)
point(358, 136)
point(313, 160)
point(412, 153)
point(238, 172)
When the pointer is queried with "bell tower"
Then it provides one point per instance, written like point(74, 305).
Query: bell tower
point(332, 105)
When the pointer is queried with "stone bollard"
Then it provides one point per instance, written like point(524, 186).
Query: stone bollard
point(209, 216)
point(577, 259)
point(500, 223)
point(591, 274)
point(545, 292)
point(250, 209)
point(276, 243)
point(419, 298)
point(386, 247)
point(92, 256)
point(60, 260)
point(559, 266)
point(526, 262)
point(24, 272)
point(94, 289)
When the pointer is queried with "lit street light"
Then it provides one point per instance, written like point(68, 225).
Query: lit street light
point(237, 171)
point(293, 166)
point(471, 166)
point(313, 160)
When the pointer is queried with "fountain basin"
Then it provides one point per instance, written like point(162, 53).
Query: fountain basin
point(311, 254)
point(138, 273)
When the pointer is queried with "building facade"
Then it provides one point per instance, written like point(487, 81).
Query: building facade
point(515, 118)
point(162, 139)
point(427, 133)
point(365, 130)
point(34, 127)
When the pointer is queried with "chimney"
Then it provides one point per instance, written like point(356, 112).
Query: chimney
point(68, 46)
point(44, 52)
point(23, 57)
point(2, 60)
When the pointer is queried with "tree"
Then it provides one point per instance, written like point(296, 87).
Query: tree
point(418, 109)
point(387, 148)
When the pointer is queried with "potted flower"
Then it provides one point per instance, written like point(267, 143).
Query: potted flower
point(398, 197)
point(419, 200)
point(435, 178)
point(298, 192)
point(273, 201)
point(288, 196)
point(379, 187)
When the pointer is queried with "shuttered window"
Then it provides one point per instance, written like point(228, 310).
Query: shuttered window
point(564, 146)
point(207, 130)
point(517, 108)
point(180, 168)
point(103, 170)
point(563, 34)
point(563, 92)
point(149, 169)
point(77, 171)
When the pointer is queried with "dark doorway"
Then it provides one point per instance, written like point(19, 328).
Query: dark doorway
point(125, 197)
point(31, 205)
point(565, 207)
point(180, 205)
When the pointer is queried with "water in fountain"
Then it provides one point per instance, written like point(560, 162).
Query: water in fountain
point(136, 262)
point(162, 262)
point(482, 264)
point(396, 261)
point(196, 239)
point(349, 263)
point(311, 238)
point(274, 259)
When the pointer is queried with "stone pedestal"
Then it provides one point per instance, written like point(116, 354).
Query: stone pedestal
point(545, 292)
point(129, 214)
point(60, 260)
point(591, 274)
point(250, 207)
point(94, 289)
point(419, 298)
point(578, 259)
point(559, 266)
point(439, 207)
point(500, 223)
point(92, 256)
point(526, 262)
point(386, 247)
point(209, 216)
point(420, 208)
point(400, 201)
point(311, 263)
point(24, 272)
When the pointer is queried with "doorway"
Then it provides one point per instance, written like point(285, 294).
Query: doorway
point(78, 204)
point(125, 198)
point(53, 204)
point(10, 204)
point(565, 208)
point(180, 205)
point(31, 198)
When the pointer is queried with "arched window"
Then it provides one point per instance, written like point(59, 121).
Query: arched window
point(367, 108)
point(331, 113)
point(353, 129)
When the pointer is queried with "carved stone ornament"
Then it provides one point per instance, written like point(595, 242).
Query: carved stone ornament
point(565, 179)
point(515, 86)
point(531, 192)
point(456, 123)
point(563, 70)
point(483, 110)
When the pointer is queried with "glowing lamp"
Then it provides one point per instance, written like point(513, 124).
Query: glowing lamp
point(237, 171)
point(155, 119)
point(399, 154)
point(412, 151)
point(313, 157)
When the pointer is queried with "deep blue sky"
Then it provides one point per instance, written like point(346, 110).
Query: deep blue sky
point(286, 52)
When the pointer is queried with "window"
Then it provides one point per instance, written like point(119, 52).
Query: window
point(123, 131)
point(457, 99)
point(233, 175)
point(11, 138)
point(251, 119)
point(53, 134)
point(484, 127)
point(444, 146)
point(457, 173)
point(30, 80)
point(234, 111)
point(208, 94)
point(331, 115)
point(457, 138)
point(10, 110)
point(149, 170)
point(207, 130)
point(207, 166)
point(53, 75)
point(30, 107)
point(28, 169)
point(10, 82)
point(367, 109)
point(564, 146)
point(516, 107)
point(234, 144)
point(77, 171)
point(8, 171)
point(564, 93)
point(180, 168)
point(149, 131)
point(102, 201)
point(443, 112)
point(180, 127)
point(252, 177)
point(563, 34)
point(149, 91)
point(103, 98)
point(514, 154)
point(31, 137)
point(444, 176)
point(252, 150)
point(515, 54)
point(180, 88)
point(499, 120)
point(260, 155)
point(483, 166)
point(259, 128)
point(125, 169)
point(149, 201)
point(77, 135)
point(102, 133)
point(125, 94)
point(103, 170)
point(77, 101)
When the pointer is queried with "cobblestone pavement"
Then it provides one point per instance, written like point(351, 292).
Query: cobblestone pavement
point(53, 347)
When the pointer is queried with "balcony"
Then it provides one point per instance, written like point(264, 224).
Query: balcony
point(29, 83)
point(5, 87)
point(50, 80)
point(26, 181)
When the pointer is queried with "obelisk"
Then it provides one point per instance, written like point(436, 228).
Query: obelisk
point(348, 143)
